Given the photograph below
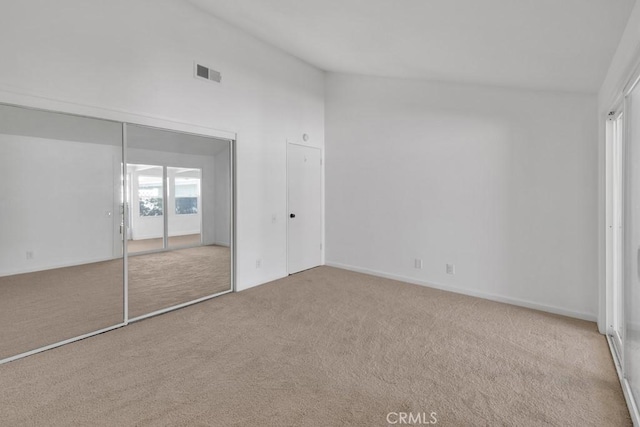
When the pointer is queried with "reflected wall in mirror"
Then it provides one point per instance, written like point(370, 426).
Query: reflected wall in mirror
point(61, 247)
point(185, 216)
point(179, 225)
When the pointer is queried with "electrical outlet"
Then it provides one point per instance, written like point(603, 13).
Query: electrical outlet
point(258, 263)
point(417, 263)
point(451, 269)
point(29, 254)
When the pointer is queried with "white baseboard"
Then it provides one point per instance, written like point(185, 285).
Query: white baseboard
point(138, 236)
point(54, 266)
point(185, 233)
point(493, 297)
point(249, 285)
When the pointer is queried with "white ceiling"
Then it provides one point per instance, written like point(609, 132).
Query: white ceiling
point(542, 44)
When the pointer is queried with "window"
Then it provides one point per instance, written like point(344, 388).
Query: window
point(150, 195)
point(187, 192)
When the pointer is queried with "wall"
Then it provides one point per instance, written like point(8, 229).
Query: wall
point(222, 203)
point(185, 224)
point(499, 182)
point(133, 60)
point(46, 222)
point(57, 223)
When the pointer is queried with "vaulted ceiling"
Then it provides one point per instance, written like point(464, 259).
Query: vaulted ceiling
point(542, 44)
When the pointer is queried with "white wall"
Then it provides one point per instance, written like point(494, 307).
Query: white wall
point(222, 193)
point(58, 223)
point(134, 59)
point(185, 224)
point(500, 182)
point(59, 190)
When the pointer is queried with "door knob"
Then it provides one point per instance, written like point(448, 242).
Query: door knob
point(292, 215)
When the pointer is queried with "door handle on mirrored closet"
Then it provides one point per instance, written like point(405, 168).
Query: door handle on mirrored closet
point(292, 215)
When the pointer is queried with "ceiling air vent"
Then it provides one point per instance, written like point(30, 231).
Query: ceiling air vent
point(203, 72)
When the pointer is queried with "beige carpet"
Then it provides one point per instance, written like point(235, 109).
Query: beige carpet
point(165, 279)
point(325, 347)
point(38, 309)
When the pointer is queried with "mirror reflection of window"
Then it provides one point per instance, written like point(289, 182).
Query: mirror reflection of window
point(185, 216)
point(187, 195)
point(150, 195)
point(146, 197)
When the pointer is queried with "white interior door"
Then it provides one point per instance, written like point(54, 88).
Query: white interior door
point(304, 176)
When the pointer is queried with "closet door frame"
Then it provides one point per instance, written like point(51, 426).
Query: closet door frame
point(615, 195)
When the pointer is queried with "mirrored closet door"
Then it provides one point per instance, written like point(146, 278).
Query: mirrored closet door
point(631, 292)
point(61, 241)
point(103, 223)
point(179, 222)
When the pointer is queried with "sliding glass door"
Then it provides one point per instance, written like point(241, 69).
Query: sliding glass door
point(155, 225)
